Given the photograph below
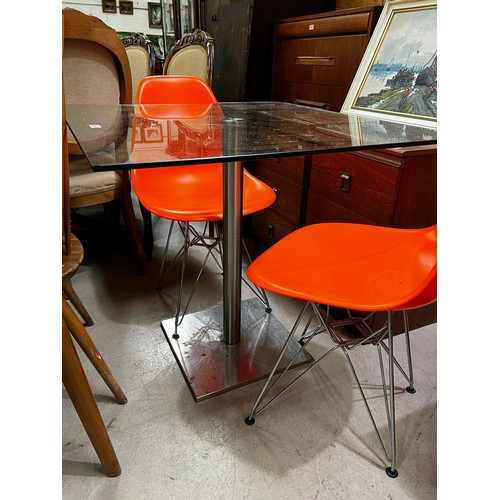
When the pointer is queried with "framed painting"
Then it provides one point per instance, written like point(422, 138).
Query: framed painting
point(153, 133)
point(154, 15)
point(397, 77)
point(126, 7)
point(108, 6)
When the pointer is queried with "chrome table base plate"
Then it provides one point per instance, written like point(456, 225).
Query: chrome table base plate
point(211, 367)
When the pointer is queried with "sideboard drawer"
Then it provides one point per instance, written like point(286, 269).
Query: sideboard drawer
point(320, 209)
point(269, 227)
point(292, 168)
point(288, 194)
point(357, 184)
point(351, 22)
point(319, 61)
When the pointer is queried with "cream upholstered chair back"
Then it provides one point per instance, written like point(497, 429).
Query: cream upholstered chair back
point(192, 55)
point(90, 74)
point(141, 58)
point(96, 70)
point(95, 63)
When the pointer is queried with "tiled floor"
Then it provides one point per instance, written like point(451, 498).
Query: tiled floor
point(314, 443)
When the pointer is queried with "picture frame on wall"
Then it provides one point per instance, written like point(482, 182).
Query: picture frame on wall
point(153, 133)
point(126, 7)
point(109, 6)
point(154, 15)
point(397, 77)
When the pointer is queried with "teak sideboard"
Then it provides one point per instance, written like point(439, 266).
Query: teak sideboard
point(315, 61)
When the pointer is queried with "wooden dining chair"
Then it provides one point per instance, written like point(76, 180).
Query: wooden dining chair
point(192, 55)
point(73, 375)
point(141, 57)
point(97, 71)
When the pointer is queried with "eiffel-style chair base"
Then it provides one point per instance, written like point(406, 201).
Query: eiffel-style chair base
point(210, 238)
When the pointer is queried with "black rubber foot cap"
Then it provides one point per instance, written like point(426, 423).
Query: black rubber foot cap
point(411, 390)
point(157, 287)
point(249, 421)
point(268, 309)
point(391, 473)
point(175, 336)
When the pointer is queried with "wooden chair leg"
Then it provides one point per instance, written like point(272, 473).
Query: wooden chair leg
point(72, 296)
point(85, 342)
point(147, 239)
point(79, 391)
point(131, 223)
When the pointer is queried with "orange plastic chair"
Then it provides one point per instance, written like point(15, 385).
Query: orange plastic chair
point(191, 194)
point(360, 268)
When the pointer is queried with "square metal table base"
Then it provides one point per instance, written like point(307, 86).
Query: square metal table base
point(212, 367)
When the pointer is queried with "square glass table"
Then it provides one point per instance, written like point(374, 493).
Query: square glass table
point(229, 346)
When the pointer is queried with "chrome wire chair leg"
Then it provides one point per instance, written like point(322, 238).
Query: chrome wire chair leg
point(367, 406)
point(193, 288)
point(250, 420)
point(192, 238)
point(185, 248)
point(305, 338)
point(391, 471)
point(411, 389)
point(389, 401)
point(162, 268)
point(408, 376)
point(260, 293)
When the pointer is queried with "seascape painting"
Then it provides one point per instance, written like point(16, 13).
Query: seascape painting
point(400, 76)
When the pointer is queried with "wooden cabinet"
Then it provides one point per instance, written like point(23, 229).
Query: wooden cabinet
point(243, 31)
point(316, 57)
point(315, 60)
point(390, 187)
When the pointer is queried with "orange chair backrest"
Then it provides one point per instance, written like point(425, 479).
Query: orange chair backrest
point(174, 89)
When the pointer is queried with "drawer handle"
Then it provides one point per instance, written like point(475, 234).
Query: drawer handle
point(315, 60)
point(312, 104)
point(270, 230)
point(345, 182)
point(277, 193)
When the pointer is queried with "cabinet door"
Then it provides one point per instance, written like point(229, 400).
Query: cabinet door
point(285, 176)
point(346, 186)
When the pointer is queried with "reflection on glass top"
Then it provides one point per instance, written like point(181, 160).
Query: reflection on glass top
point(135, 136)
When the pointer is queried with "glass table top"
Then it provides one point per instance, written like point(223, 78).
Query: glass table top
point(115, 137)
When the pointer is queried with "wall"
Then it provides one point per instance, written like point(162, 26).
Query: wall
point(136, 23)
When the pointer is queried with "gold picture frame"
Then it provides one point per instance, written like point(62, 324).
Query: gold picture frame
point(397, 77)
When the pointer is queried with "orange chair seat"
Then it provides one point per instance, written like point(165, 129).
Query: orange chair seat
point(195, 194)
point(336, 264)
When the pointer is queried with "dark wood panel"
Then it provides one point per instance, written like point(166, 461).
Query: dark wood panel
point(319, 61)
point(292, 168)
point(288, 194)
point(417, 200)
point(268, 227)
point(320, 209)
point(370, 189)
point(334, 96)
